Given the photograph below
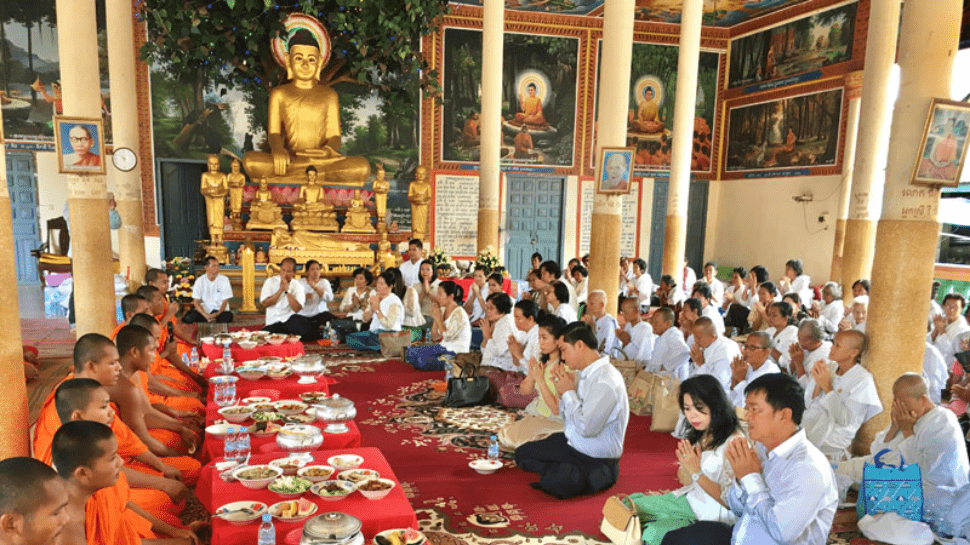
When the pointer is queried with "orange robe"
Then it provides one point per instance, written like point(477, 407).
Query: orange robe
point(114, 334)
point(103, 526)
point(181, 403)
point(164, 369)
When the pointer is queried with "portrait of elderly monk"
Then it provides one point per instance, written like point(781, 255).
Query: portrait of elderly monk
point(616, 176)
point(81, 142)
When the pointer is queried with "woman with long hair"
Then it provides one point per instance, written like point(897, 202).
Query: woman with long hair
point(318, 296)
point(451, 329)
point(385, 313)
point(703, 468)
point(418, 300)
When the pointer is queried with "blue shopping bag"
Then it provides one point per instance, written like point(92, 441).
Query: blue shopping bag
point(888, 488)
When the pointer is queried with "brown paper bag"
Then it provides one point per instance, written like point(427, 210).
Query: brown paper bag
point(666, 406)
point(627, 367)
point(393, 343)
point(640, 393)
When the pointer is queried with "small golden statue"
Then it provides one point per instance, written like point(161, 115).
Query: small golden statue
point(304, 123)
point(380, 187)
point(214, 188)
point(386, 258)
point(307, 240)
point(264, 213)
point(237, 182)
point(357, 219)
point(419, 193)
point(311, 212)
point(260, 255)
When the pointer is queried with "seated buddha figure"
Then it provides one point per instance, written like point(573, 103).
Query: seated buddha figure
point(531, 108)
point(312, 212)
point(264, 213)
point(358, 218)
point(648, 115)
point(304, 124)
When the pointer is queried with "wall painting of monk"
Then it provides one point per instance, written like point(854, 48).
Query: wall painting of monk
point(944, 144)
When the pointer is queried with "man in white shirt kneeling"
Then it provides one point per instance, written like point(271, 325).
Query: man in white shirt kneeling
point(586, 457)
point(754, 361)
point(283, 297)
point(210, 296)
point(671, 355)
point(602, 323)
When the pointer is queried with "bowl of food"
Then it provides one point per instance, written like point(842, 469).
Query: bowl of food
point(276, 339)
point(278, 373)
point(333, 490)
point(293, 510)
point(263, 407)
point(289, 406)
point(485, 467)
point(248, 345)
point(293, 339)
point(254, 400)
point(266, 416)
point(264, 428)
point(207, 340)
point(251, 373)
point(218, 431)
point(343, 462)
point(256, 477)
point(241, 512)
point(299, 438)
point(269, 360)
point(297, 419)
point(222, 339)
point(313, 397)
point(289, 486)
point(315, 473)
point(357, 476)
point(223, 379)
point(403, 536)
point(289, 465)
point(237, 413)
point(309, 367)
point(375, 489)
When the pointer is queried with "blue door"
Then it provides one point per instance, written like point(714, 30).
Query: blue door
point(534, 220)
point(22, 184)
point(696, 226)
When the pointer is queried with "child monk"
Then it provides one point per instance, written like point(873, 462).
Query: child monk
point(168, 397)
point(173, 367)
point(33, 503)
point(131, 304)
point(85, 454)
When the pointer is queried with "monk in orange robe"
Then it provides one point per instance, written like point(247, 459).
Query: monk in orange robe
point(176, 370)
point(34, 502)
point(85, 454)
point(131, 304)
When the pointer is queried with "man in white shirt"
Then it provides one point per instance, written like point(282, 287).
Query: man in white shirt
point(668, 294)
point(524, 314)
point(283, 298)
point(832, 311)
point(712, 354)
point(922, 433)
point(593, 403)
point(688, 279)
point(784, 492)
point(840, 398)
point(702, 292)
point(754, 361)
point(602, 323)
point(935, 372)
point(717, 287)
point(809, 349)
point(411, 269)
point(626, 275)
point(947, 329)
point(550, 272)
point(671, 355)
point(210, 296)
point(635, 335)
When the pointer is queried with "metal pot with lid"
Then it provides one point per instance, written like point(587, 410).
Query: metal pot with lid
point(336, 411)
point(332, 529)
point(308, 367)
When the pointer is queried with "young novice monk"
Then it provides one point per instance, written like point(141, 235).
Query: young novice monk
point(33, 503)
point(165, 395)
point(86, 456)
point(171, 366)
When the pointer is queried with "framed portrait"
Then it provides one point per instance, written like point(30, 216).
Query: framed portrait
point(80, 145)
point(615, 168)
point(943, 147)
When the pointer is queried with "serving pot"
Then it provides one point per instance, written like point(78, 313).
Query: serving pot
point(332, 529)
point(335, 411)
point(308, 367)
point(299, 438)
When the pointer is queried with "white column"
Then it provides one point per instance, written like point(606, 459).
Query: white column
point(493, 28)
point(853, 93)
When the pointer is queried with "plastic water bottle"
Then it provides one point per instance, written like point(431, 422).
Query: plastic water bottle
point(194, 360)
point(186, 361)
point(226, 357)
point(242, 444)
point(334, 337)
point(267, 533)
point(230, 445)
point(493, 448)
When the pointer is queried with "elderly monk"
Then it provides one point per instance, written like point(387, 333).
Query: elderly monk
point(33, 503)
point(304, 123)
point(86, 457)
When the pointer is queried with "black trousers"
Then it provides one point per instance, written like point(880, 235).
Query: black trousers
point(295, 325)
point(707, 532)
point(565, 472)
point(193, 316)
point(737, 317)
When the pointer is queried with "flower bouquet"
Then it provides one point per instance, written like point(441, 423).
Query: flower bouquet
point(488, 259)
point(440, 261)
point(181, 277)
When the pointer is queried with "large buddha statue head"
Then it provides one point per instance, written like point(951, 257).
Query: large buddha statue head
point(304, 62)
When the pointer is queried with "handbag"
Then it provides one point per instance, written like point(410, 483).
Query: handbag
point(666, 404)
point(509, 394)
point(393, 343)
point(466, 358)
point(620, 521)
point(640, 393)
point(467, 389)
point(627, 367)
point(887, 488)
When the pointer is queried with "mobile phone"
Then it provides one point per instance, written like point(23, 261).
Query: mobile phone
point(171, 330)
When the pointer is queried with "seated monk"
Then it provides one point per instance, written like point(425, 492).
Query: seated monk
point(531, 108)
point(523, 144)
point(471, 134)
point(33, 502)
point(304, 122)
point(131, 304)
point(184, 334)
point(170, 367)
point(100, 511)
point(648, 115)
point(161, 394)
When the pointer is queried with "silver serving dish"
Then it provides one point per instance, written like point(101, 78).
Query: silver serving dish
point(335, 411)
point(309, 367)
point(299, 438)
point(332, 529)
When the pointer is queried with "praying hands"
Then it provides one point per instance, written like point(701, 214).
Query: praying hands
point(743, 459)
point(822, 376)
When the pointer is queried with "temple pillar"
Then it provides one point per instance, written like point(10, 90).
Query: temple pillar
point(13, 396)
point(675, 231)
point(853, 90)
point(907, 232)
point(611, 129)
point(124, 131)
point(94, 301)
point(872, 148)
point(490, 175)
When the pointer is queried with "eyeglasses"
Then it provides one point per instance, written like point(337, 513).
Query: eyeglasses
point(78, 139)
point(749, 347)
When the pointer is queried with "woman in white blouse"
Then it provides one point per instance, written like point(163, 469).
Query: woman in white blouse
point(419, 299)
point(496, 328)
point(357, 297)
point(318, 296)
point(385, 313)
point(703, 468)
point(796, 281)
point(557, 295)
point(782, 330)
point(450, 328)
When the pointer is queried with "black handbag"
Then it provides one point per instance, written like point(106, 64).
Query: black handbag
point(467, 389)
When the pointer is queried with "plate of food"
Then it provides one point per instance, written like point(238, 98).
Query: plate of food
point(276, 338)
point(404, 536)
point(218, 431)
point(289, 486)
point(289, 465)
point(293, 339)
point(289, 407)
point(345, 461)
point(266, 416)
point(333, 490)
point(298, 419)
point(264, 407)
point(375, 489)
point(236, 414)
point(358, 475)
point(264, 428)
point(313, 397)
point(279, 374)
point(256, 477)
point(315, 473)
point(293, 510)
point(256, 399)
point(241, 512)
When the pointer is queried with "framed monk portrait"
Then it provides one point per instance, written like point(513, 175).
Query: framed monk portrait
point(80, 145)
point(615, 167)
point(943, 148)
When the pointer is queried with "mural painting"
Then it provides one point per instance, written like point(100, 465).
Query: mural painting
point(800, 131)
point(653, 92)
point(723, 13)
point(538, 98)
point(800, 46)
point(559, 7)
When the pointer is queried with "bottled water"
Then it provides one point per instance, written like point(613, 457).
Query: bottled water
point(226, 358)
point(267, 533)
point(186, 361)
point(230, 445)
point(242, 444)
point(493, 448)
point(334, 337)
point(194, 360)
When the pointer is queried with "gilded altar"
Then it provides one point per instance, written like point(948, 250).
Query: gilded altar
point(329, 251)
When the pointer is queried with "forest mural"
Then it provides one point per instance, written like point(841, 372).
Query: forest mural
point(801, 131)
point(538, 98)
point(797, 47)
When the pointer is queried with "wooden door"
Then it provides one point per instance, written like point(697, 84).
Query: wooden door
point(22, 185)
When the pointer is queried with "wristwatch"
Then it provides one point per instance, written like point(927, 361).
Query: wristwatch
point(695, 477)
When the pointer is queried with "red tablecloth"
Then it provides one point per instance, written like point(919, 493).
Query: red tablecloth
point(213, 447)
point(393, 511)
point(240, 354)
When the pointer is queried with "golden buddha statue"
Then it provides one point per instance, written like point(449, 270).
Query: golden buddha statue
point(380, 187)
point(312, 212)
point(306, 240)
point(304, 124)
point(386, 258)
point(237, 182)
point(530, 107)
point(357, 219)
point(264, 213)
point(419, 193)
point(648, 115)
point(214, 188)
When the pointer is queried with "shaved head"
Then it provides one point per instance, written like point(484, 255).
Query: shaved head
point(22, 485)
point(910, 385)
point(705, 326)
point(666, 314)
point(856, 339)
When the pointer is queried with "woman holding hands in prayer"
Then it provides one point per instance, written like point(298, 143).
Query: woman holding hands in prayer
point(357, 296)
point(713, 423)
point(385, 313)
point(450, 328)
point(418, 300)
